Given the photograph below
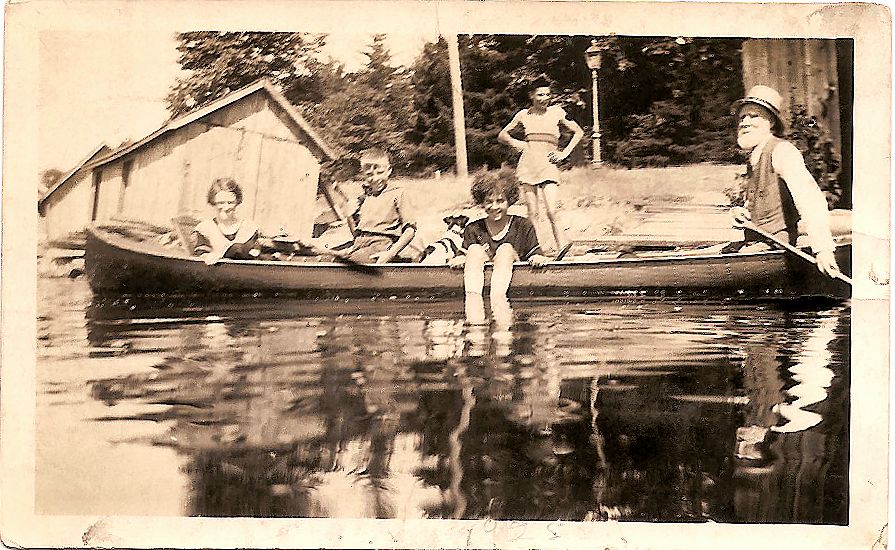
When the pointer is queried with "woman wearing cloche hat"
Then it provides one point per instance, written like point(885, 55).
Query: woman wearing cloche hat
point(780, 191)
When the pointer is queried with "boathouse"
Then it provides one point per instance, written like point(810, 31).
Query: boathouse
point(65, 207)
point(253, 135)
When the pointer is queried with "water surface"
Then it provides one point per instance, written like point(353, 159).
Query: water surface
point(631, 410)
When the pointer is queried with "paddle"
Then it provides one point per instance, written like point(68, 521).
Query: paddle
point(297, 245)
point(747, 224)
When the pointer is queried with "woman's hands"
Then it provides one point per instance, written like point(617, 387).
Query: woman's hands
point(557, 156)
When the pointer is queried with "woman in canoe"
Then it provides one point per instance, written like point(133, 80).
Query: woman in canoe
point(537, 169)
point(500, 237)
point(225, 235)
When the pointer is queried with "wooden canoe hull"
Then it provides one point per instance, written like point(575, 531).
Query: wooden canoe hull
point(117, 264)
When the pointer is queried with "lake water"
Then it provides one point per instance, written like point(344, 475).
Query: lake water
point(632, 410)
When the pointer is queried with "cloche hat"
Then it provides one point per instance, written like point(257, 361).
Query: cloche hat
point(763, 96)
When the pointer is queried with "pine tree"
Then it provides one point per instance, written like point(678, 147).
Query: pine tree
point(432, 133)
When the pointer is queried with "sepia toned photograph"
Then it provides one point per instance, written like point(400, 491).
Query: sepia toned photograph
point(418, 275)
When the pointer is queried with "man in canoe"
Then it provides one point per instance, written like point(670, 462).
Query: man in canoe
point(780, 191)
point(381, 224)
point(225, 235)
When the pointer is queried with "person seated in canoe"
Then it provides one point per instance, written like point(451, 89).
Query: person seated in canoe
point(779, 190)
point(225, 235)
point(500, 237)
point(381, 225)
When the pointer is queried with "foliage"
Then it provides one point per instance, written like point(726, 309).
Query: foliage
point(432, 133)
point(49, 178)
point(662, 100)
point(220, 62)
point(817, 148)
point(369, 108)
point(670, 99)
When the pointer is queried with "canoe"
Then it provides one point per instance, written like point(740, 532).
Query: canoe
point(118, 263)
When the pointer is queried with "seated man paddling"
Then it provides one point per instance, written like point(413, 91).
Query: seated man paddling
point(780, 191)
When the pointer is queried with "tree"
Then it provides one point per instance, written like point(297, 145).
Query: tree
point(432, 133)
point(220, 62)
point(662, 100)
point(353, 111)
point(370, 108)
point(49, 178)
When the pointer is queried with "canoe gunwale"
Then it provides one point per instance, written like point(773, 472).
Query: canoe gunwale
point(116, 263)
point(671, 256)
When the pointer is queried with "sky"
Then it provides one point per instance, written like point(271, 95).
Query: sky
point(108, 86)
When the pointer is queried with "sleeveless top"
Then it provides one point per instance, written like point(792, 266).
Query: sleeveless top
point(768, 198)
point(542, 137)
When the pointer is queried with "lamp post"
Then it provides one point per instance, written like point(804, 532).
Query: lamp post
point(593, 57)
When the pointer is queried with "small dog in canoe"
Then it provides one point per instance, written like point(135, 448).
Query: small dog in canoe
point(441, 251)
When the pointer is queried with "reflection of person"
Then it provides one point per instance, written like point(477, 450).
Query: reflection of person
point(225, 235)
point(780, 191)
point(500, 237)
point(537, 170)
point(381, 226)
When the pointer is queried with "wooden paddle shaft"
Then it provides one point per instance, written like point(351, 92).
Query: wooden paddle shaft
point(795, 250)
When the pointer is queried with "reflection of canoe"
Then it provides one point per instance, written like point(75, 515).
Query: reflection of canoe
point(120, 264)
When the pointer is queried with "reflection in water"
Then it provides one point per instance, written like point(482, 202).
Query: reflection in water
point(650, 411)
point(797, 476)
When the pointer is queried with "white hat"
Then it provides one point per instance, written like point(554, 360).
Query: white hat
point(763, 96)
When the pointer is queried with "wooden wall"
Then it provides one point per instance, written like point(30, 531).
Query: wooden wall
point(247, 141)
point(804, 71)
point(68, 209)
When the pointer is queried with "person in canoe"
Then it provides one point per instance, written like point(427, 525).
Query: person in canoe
point(537, 169)
point(225, 235)
point(381, 226)
point(500, 237)
point(780, 192)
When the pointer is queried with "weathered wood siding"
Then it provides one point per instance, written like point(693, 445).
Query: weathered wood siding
point(249, 141)
point(109, 192)
point(804, 71)
point(68, 209)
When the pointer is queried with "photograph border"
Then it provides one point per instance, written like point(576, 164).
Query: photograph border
point(869, 26)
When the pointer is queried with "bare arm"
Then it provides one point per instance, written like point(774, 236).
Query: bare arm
point(577, 135)
point(389, 253)
point(505, 137)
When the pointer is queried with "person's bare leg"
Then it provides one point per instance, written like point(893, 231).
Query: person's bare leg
point(502, 273)
point(474, 282)
point(550, 193)
point(530, 194)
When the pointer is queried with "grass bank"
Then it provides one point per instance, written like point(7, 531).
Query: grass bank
point(593, 201)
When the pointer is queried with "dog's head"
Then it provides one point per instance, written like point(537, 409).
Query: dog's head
point(456, 222)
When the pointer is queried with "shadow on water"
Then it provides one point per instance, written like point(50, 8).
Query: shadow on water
point(638, 411)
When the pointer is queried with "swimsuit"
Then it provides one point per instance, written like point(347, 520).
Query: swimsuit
point(541, 138)
point(208, 237)
point(520, 234)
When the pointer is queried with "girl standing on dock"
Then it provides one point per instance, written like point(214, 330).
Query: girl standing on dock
point(537, 170)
